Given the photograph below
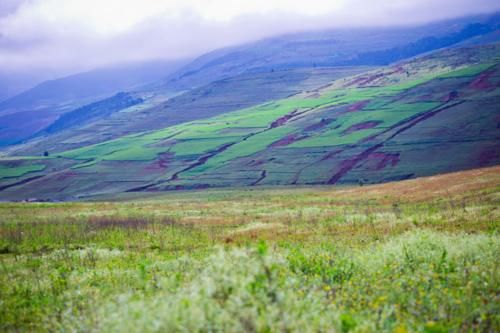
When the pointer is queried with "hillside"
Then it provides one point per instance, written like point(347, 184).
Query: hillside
point(433, 114)
point(25, 114)
point(161, 109)
point(278, 62)
point(333, 48)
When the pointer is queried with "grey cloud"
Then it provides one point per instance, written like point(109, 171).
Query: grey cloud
point(7, 7)
point(67, 49)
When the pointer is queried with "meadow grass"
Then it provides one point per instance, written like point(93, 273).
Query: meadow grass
point(403, 257)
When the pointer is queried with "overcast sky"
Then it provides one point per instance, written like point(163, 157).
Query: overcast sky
point(74, 35)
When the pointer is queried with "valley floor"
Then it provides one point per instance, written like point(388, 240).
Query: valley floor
point(412, 256)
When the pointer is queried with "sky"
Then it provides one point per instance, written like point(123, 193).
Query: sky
point(68, 36)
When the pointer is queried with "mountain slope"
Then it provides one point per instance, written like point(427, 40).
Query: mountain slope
point(157, 111)
point(95, 110)
point(23, 116)
point(352, 47)
point(43, 104)
point(434, 114)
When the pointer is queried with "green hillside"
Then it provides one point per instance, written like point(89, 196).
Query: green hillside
point(224, 80)
point(433, 114)
point(163, 108)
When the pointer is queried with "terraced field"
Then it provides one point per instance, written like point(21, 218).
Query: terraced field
point(433, 114)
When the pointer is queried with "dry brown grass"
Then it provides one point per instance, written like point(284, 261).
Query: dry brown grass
point(446, 185)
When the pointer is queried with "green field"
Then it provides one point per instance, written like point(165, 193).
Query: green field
point(17, 171)
point(414, 256)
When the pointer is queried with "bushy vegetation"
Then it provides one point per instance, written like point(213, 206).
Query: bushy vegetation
point(371, 259)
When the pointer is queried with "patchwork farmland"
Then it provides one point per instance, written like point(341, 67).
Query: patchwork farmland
point(433, 114)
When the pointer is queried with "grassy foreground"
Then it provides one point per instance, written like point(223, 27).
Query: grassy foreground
point(414, 256)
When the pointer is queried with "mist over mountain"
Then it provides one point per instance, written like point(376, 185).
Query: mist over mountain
point(46, 102)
